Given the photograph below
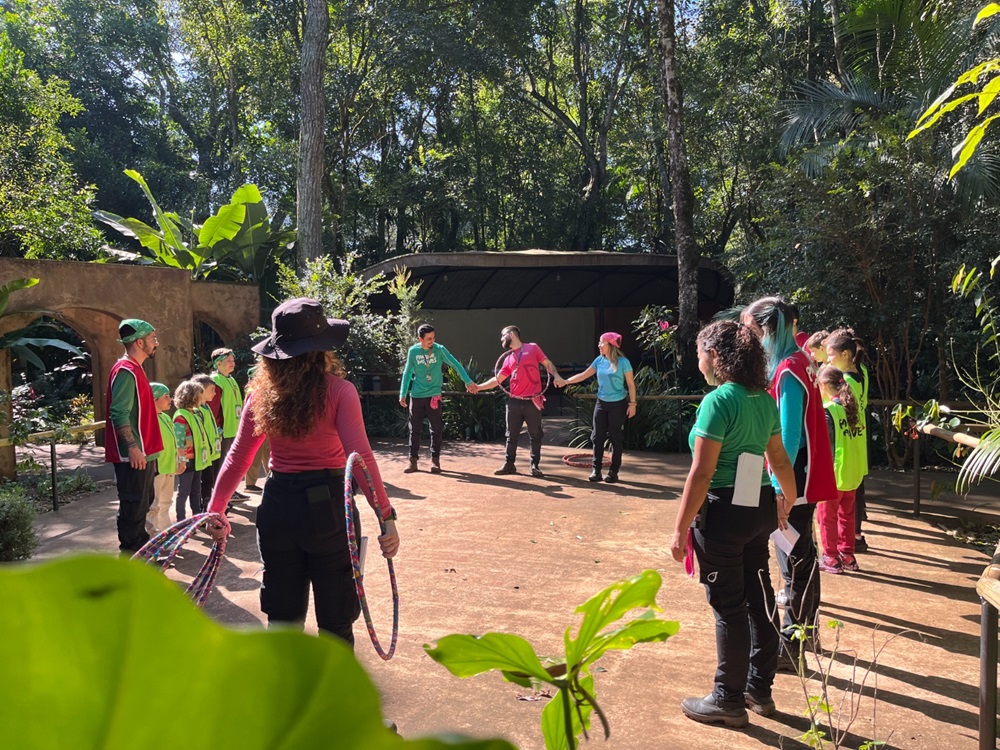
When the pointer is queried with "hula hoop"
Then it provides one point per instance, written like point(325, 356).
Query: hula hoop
point(584, 460)
point(163, 548)
point(496, 374)
point(352, 546)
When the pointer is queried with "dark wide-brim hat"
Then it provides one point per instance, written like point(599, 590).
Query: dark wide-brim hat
point(299, 326)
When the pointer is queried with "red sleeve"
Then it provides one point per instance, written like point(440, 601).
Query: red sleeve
point(238, 460)
point(216, 405)
point(351, 429)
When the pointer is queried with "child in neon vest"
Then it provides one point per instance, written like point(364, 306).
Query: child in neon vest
point(168, 464)
point(847, 435)
point(195, 446)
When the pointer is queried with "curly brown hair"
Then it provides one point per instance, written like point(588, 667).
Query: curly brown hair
point(741, 358)
point(289, 395)
point(831, 376)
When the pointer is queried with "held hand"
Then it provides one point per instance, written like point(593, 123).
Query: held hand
point(402, 402)
point(219, 529)
point(561, 382)
point(136, 458)
point(472, 388)
point(389, 541)
point(678, 547)
point(784, 507)
point(630, 411)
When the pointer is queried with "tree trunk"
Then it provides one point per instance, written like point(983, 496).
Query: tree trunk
point(685, 244)
point(8, 455)
point(312, 129)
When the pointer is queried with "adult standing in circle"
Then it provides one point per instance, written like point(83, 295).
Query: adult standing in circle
point(613, 407)
point(524, 405)
point(300, 399)
point(729, 492)
point(135, 442)
point(807, 442)
point(423, 380)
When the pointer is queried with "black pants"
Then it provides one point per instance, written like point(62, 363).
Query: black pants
point(609, 418)
point(303, 541)
point(419, 409)
point(208, 480)
point(519, 412)
point(860, 508)
point(732, 550)
point(189, 487)
point(800, 569)
point(135, 495)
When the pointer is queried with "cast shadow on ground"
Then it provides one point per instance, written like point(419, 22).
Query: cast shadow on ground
point(968, 568)
point(770, 738)
point(956, 643)
point(510, 481)
point(936, 588)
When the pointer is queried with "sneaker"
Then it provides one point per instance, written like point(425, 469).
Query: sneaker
point(759, 704)
point(781, 598)
point(707, 711)
point(611, 478)
point(830, 564)
point(536, 472)
point(595, 476)
point(849, 562)
point(412, 467)
point(252, 488)
point(860, 545)
point(435, 466)
point(240, 496)
point(507, 468)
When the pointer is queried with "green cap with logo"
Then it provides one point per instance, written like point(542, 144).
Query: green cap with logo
point(133, 329)
point(159, 389)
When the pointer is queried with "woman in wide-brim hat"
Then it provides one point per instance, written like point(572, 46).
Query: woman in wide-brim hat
point(300, 400)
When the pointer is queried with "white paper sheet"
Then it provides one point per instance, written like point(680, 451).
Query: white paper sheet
point(785, 539)
point(746, 489)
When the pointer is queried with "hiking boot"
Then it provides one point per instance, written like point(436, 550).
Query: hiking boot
point(707, 711)
point(849, 562)
point(860, 545)
point(829, 564)
point(611, 478)
point(786, 662)
point(595, 476)
point(759, 704)
point(435, 465)
point(412, 467)
point(507, 468)
point(536, 472)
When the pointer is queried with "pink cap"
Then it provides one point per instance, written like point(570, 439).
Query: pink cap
point(612, 338)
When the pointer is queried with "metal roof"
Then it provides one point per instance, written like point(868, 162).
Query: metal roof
point(547, 278)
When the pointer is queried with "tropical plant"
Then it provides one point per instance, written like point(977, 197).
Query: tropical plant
point(21, 341)
point(78, 686)
point(469, 416)
point(18, 539)
point(568, 714)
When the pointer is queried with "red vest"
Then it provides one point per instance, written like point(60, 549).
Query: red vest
point(821, 484)
point(149, 439)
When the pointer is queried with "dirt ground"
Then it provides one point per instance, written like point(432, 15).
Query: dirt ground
point(483, 553)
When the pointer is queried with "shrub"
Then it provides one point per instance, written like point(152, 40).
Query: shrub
point(18, 540)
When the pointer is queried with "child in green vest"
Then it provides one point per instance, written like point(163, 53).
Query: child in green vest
point(847, 436)
point(168, 464)
point(212, 429)
point(195, 446)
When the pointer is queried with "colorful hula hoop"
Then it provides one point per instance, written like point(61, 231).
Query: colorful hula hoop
point(163, 548)
point(496, 374)
point(584, 460)
point(352, 546)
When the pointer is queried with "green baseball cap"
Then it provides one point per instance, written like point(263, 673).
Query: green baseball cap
point(133, 329)
point(159, 390)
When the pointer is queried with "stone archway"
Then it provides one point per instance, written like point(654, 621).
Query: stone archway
point(92, 298)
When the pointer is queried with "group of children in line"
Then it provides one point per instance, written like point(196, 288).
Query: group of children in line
point(195, 440)
point(843, 383)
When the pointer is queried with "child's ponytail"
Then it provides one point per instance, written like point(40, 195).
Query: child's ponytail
point(834, 378)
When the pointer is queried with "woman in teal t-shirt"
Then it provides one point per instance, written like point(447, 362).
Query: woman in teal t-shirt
point(614, 376)
point(736, 427)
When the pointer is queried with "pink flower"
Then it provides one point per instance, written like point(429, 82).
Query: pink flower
point(664, 325)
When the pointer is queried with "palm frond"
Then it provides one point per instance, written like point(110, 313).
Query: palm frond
point(983, 461)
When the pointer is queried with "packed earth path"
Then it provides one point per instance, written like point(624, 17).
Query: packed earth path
point(515, 554)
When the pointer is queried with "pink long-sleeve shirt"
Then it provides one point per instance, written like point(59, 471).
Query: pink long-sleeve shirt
point(339, 433)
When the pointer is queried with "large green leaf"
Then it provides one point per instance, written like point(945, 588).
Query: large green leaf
point(554, 718)
point(226, 224)
point(99, 652)
point(13, 286)
point(467, 655)
point(644, 629)
point(171, 233)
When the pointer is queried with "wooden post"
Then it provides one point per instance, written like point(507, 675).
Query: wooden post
point(8, 454)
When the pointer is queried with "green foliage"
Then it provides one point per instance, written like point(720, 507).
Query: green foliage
point(654, 330)
point(109, 687)
point(471, 417)
point(568, 714)
point(44, 208)
point(18, 539)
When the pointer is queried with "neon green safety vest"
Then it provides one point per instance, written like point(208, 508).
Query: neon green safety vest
point(202, 447)
point(167, 460)
point(212, 430)
point(232, 403)
point(850, 449)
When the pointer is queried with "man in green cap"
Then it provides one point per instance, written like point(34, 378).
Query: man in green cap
point(134, 441)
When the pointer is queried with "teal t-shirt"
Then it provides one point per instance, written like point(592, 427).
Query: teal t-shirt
point(611, 382)
point(423, 371)
point(742, 420)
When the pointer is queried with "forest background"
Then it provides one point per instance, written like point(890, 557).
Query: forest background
point(511, 124)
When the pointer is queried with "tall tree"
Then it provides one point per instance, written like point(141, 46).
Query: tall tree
point(685, 242)
point(312, 131)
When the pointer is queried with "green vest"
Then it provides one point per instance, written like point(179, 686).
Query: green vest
point(202, 446)
point(166, 462)
point(850, 449)
point(232, 403)
point(212, 430)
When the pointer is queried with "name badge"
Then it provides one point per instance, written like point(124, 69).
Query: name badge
point(204, 455)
